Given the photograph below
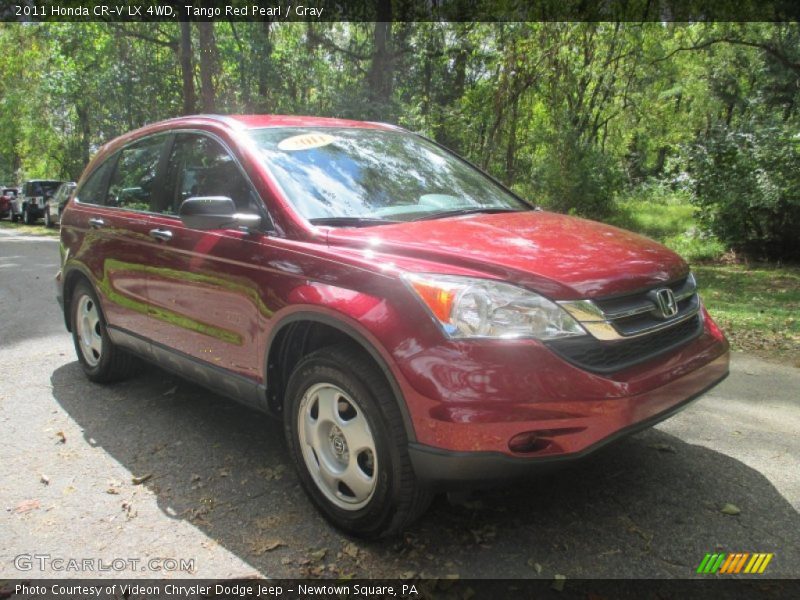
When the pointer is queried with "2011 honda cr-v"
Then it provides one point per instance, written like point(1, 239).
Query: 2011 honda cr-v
point(413, 322)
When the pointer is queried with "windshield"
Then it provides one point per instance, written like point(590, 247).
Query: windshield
point(41, 188)
point(374, 175)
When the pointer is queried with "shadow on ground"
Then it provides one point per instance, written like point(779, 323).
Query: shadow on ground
point(648, 506)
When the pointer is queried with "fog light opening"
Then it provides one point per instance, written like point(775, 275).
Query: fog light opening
point(527, 442)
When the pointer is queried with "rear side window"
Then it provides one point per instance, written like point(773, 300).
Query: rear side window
point(133, 185)
point(94, 190)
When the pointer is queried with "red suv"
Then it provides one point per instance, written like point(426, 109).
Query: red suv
point(413, 322)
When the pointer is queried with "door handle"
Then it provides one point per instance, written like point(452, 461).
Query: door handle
point(96, 223)
point(164, 235)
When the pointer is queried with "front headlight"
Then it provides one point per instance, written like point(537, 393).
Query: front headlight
point(468, 307)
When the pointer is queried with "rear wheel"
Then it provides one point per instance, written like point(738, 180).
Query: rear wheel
point(346, 436)
point(13, 217)
point(101, 359)
point(26, 216)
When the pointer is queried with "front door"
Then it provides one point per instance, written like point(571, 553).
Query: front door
point(203, 294)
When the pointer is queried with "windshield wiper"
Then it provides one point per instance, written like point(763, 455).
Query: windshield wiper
point(351, 221)
point(468, 211)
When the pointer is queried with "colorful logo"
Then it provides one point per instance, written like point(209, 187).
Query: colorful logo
point(738, 562)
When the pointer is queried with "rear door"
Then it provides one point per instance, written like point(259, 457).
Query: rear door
point(110, 218)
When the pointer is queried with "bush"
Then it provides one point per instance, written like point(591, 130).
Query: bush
point(577, 178)
point(747, 189)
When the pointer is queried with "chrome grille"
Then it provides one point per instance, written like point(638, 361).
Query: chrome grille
point(632, 328)
point(636, 314)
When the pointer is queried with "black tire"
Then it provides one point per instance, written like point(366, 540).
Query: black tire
point(47, 222)
point(114, 363)
point(12, 217)
point(398, 498)
point(26, 216)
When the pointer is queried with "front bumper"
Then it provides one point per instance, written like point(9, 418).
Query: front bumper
point(489, 411)
point(449, 468)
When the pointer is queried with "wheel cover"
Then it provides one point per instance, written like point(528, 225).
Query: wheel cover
point(87, 327)
point(337, 446)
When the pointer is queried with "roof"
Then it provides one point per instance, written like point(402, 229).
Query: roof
point(256, 121)
point(259, 121)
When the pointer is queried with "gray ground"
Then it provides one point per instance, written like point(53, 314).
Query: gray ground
point(221, 490)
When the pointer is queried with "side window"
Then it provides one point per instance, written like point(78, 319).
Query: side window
point(94, 190)
point(200, 166)
point(133, 183)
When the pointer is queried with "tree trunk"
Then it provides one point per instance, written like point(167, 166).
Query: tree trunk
point(86, 133)
point(208, 65)
point(381, 70)
point(511, 148)
point(263, 61)
point(187, 68)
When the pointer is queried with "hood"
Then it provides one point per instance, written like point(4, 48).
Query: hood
point(561, 256)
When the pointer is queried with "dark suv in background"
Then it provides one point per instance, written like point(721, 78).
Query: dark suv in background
point(412, 322)
point(32, 199)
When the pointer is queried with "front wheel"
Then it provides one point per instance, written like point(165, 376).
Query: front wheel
point(102, 361)
point(347, 439)
point(26, 216)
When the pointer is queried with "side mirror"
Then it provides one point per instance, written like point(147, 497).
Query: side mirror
point(214, 212)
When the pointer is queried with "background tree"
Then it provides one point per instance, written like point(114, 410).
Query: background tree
point(570, 115)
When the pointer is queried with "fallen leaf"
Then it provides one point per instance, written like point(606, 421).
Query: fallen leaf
point(535, 566)
point(112, 490)
point(318, 554)
point(62, 439)
point(26, 506)
point(663, 448)
point(484, 534)
point(351, 550)
point(558, 582)
point(141, 479)
point(263, 546)
point(224, 473)
point(44, 479)
point(730, 509)
point(266, 522)
point(129, 512)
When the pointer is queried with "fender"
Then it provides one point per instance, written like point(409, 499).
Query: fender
point(354, 330)
point(70, 270)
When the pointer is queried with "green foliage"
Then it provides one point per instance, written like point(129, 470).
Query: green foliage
point(747, 187)
point(757, 307)
point(570, 115)
point(581, 180)
point(665, 214)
